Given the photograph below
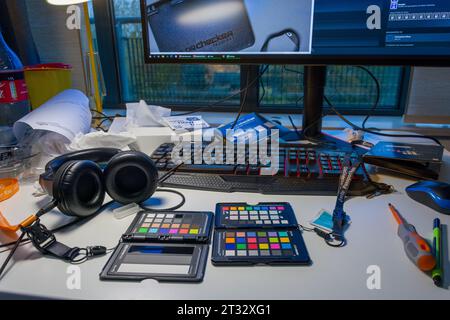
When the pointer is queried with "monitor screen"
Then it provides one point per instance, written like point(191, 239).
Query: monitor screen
point(413, 32)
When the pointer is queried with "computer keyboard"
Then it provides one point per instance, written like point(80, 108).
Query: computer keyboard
point(302, 170)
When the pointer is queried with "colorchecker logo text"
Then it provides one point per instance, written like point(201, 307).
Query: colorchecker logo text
point(214, 41)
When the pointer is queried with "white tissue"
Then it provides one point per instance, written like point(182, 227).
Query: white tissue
point(100, 139)
point(143, 115)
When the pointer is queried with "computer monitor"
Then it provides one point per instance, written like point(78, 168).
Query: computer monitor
point(309, 32)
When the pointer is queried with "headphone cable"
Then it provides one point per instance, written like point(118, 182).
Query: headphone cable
point(11, 253)
point(178, 206)
point(166, 176)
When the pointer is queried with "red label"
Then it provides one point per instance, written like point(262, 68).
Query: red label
point(12, 88)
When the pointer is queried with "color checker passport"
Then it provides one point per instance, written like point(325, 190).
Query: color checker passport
point(264, 234)
point(165, 246)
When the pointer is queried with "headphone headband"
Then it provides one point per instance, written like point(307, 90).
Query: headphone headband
point(97, 155)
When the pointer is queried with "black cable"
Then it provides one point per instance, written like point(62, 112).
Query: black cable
point(225, 99)
point(328, 237)
point(263, 88)
point(378, 97)
point(100, 125)
point(104, 115)
point(60, 228)
point(297, 102)
point(293, 71)
point(241, 108)
point(330, 241)
point(295, 128)
point(303, 228)
point(355, 127)
point(12, 252)
point(373, 108)
point(168, 174)
point(178, 206)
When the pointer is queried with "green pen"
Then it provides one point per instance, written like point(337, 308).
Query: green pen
point(436, 274)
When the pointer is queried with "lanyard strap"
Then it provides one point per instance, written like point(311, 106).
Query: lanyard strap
point(44, 240)
point(8, 188)
point(345, 181)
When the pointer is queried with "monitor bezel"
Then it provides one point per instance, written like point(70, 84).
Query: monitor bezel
point(388, 60)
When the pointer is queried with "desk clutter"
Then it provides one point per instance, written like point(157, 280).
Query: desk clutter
point(170, 245)
point(173, 246)
point(85, 160)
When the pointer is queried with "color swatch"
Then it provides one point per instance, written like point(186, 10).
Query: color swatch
point(257, 244)
point(175, 224)
point(266, 233)
point(264, 215)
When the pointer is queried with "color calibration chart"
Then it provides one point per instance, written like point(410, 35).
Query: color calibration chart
point(171, 224)
point(264, 239)
point(266, 215)
point(261, 243)
point(165, 246)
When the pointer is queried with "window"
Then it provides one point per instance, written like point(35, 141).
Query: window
point(351, 89)
point(185, 87)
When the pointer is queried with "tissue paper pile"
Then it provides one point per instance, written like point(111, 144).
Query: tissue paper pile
point(143, 115)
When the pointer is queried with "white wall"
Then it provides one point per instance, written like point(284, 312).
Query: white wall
point(429, 100)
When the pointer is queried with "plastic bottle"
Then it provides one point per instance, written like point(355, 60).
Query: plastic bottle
point(14, 103)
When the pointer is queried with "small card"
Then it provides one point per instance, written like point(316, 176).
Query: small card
point(324, 221)
point(186, 123)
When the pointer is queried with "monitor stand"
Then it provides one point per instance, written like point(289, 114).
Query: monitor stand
point(315, 78)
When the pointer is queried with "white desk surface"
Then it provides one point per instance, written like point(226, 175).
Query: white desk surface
point(334, 274)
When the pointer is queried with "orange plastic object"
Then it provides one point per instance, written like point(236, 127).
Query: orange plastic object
point(6, 226)
point(8, 188)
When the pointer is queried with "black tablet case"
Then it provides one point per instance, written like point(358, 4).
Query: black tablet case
point(230, 35)
point(415, 160)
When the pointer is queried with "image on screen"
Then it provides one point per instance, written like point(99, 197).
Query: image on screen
point(229, 26)
point(296, 31)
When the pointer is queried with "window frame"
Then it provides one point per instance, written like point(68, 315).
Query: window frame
point(107, 29)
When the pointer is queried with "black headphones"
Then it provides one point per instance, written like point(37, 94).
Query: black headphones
point(79, 185)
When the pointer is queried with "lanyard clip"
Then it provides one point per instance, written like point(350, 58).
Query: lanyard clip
point(41, 237)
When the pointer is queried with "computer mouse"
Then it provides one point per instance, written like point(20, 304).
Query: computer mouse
point(433, 194)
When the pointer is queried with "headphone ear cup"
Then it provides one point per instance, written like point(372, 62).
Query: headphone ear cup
point(78, 188)
point(131, 177)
